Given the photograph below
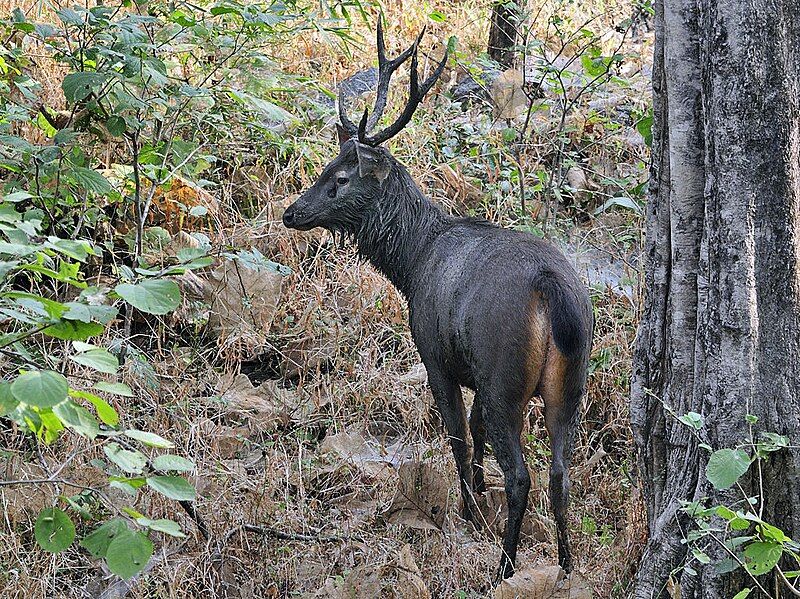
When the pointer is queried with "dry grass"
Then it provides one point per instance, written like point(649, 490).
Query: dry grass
point(340, 333)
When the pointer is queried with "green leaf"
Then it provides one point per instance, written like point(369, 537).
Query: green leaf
point(726, 466)
point(104, 411)
point(173, 487)
point(128, 553)
point(153, 296)
point(40, 388)
point(742, 594)
point(116, 125)
point(7, 400)
point(150, 439)
point(77, 250)
point(97, 542)
point(773, 533)
point(98, 359)
point(174, 463)
point(78, 418)
point(54, 531)
point(761, 557)
point(78, 86)
point(90, 180)
point(169, 527)
point(127, 485)
point(132, 462)
point(114, 388)
point(693, 420)
point(74, 330)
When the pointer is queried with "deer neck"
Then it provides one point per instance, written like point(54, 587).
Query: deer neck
point(398, 229)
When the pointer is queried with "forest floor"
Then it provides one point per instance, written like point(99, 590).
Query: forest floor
point(322, 467)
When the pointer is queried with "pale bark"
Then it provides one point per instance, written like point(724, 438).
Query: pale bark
point(720, 329)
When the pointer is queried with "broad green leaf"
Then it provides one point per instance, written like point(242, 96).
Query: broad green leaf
point(175, 463)
point(692, 419)
point(153, 296)
point(114, 388)
point(78, 418)
point(104, 411)
point(726, 565)
point(97, 542)
point(760, 557)
point(77, 250)
point(742, 594)
point(90, 180)
point(17, 249)
point(78, 86)
point(173, 487)
point(74, 330)
point(116, 125)
point(150, 439)
point(54, 531)
point(51, 426)
point(726, 466)
point(126, 485)
point(132, 462)
point(169, 527)
point(128, 553)
point(773, 533)
point(7, 400)
point(98, 359)
point(40, 388)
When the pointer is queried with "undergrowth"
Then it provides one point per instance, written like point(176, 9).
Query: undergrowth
point(148, 153)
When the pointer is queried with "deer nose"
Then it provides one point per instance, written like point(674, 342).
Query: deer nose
point(289, 216)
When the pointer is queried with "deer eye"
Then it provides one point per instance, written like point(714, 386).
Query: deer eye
point(342, 180)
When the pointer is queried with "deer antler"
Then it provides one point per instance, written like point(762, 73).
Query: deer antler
point(386, 69)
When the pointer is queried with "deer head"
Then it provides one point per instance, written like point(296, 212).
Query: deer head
point(357, 177)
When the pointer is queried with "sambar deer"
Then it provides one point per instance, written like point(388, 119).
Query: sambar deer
point(495, 310)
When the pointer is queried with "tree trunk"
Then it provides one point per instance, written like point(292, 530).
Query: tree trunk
point(502, 34)
point(720, 329)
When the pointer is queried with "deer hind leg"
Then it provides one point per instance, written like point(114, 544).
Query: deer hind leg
point(478, 433)
point(502, 416)
point(447, 394)
point(561, 388)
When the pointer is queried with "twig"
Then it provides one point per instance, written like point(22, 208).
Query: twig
point(294, 536)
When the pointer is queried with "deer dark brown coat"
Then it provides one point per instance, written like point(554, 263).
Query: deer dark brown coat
point(495, 310)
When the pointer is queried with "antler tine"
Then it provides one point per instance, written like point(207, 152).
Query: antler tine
point(346, 123)
point(416, 93)
point(386, 69)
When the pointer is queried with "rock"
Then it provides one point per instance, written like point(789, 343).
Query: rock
point(354, 86)
point(508, 95)
point(475, 88)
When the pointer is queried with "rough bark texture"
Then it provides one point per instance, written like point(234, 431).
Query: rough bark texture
point(720, 329)
point(502, 34)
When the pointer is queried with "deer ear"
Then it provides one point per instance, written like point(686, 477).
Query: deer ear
point(342, 134)
point(372, 161)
